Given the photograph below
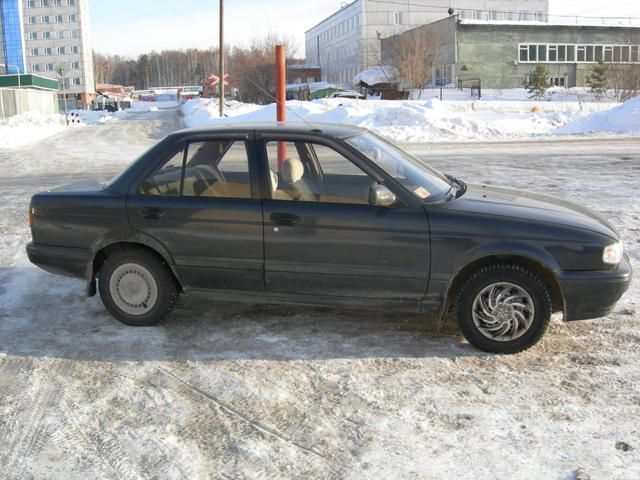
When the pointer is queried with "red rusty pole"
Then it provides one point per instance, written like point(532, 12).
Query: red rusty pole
point(281, 98)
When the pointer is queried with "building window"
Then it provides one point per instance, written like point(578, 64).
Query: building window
point(76, 81)
point(461, 14)
point(579, 53)
point(59, 35)
point(524, 16)
point(73, 18)
point(31, 20)
point(57, 3)
point(508, 16)
point(540, 17)
point(74, 34)
point(57, 19)
point(44, 19)
point(33, 35)
point(48, 51)
point(397, 18)
point(48, 67)
point(31, 4)
point(493, 15)
point(558, 81)
point(477, 14)
point(44, 3)
point(75, 49)
point(35, 52)
point(72, 3)
point(524, 53)
point(46, 35)
point(35, 68)
point(61, 50)
point(75, 65)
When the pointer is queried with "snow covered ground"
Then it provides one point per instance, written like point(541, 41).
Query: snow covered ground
point(242, 391)
point(419, 121)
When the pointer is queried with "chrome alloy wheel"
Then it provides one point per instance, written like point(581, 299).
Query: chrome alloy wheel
point(133, 289)
point(503, 312)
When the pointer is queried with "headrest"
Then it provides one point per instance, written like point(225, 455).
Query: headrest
point(292, 170)
point(274, 180)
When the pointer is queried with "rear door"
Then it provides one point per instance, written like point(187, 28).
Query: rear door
point(322, 237)
point(202, 203)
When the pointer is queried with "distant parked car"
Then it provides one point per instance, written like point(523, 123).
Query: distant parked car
point(328, 215)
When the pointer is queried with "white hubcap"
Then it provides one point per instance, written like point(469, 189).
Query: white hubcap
point(133, 289)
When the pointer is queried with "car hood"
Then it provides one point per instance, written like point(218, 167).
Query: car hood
point(535, 207)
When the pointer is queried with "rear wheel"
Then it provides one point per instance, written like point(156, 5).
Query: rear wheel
point(503, 309)
point(137, 287)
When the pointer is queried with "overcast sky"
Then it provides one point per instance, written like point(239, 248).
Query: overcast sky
point(131, 27)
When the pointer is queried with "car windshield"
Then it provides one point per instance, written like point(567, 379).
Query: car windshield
point(417, 177)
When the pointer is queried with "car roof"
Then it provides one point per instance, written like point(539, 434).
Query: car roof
point(328, 129)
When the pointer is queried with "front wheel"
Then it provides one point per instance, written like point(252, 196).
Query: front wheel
point(137, 288)
point(503, 309)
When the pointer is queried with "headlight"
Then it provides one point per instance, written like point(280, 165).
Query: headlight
point(612, 254)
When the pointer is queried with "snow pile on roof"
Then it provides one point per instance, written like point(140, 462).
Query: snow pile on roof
point(28, 128)
point(621, 119)
point(376, 75)
point(407, 121)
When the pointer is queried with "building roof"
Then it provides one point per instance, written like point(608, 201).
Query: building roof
point(582, 22)
point(29, 81)
point(334, 13)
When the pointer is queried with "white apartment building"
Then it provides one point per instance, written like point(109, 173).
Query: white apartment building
point(348, 41)
point(54, 37)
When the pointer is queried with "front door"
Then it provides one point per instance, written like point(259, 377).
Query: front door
point(199, 203)
point(323, 237)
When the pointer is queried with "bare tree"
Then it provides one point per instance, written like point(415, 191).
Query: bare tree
point(414, 56)
point(252, 69)
point(624, 80)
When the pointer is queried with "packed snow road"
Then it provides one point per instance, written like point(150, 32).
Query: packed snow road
point(241, 391)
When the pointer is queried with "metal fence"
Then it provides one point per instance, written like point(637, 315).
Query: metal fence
point(15, 101)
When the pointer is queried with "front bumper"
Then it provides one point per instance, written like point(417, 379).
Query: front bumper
point(594, 294)
point(70, 262)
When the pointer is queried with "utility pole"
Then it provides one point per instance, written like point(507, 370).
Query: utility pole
point(221, 58)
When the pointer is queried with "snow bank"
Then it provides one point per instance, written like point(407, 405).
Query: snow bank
point(408, 121)
point(138, 107)
point(624, 118)
point(29, 128)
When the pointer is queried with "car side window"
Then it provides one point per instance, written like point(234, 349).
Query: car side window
point(166, 180)
point(311, 172)
point(217, 168)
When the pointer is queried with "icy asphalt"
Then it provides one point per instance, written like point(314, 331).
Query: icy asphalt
point(236, 391)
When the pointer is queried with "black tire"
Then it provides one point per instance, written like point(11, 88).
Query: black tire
point(166, 288)
point(515, 275)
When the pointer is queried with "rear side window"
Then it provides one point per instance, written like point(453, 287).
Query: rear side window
point(166, 181)
point(215, 169)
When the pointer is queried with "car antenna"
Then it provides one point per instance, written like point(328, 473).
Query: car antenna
point(285, 105)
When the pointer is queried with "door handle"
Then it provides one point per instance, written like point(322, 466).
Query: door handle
point(285, 218)
point(151, 213)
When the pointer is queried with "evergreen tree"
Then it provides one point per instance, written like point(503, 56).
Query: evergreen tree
point(598, 81)
point(538, 82)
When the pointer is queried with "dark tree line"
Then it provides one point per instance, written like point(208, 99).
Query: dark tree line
point(252, 69)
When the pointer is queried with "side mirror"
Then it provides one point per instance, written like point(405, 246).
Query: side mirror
point(381, 196)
